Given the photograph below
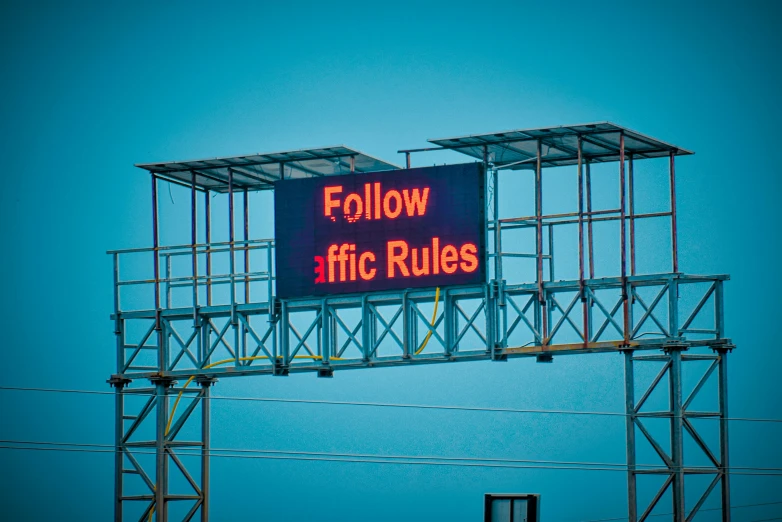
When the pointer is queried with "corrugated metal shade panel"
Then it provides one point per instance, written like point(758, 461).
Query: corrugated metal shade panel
point(260, 171)
point(517, 149)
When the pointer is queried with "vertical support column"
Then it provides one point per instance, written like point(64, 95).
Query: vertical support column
point(590, 244)
point(246, 237)
point(118, 321)
point(208, 240)
point(156, 253)
point(581, 289)
point(118, 383)
point(448, 317)
point(161, 457)
point(632, 502)
point(631, 193)
point(285, 345)
point(206, 407)
point(119, 432)
point(194, 242)
point(168, 281)
point(590, 241)
point(269, 276)
point(497, 227)
point(674, 230)
point(623, 239)
point(162, 359)
point(232, 266)
point(406, 326)
point(550, 227)
point(724, 446)
point(677, 428)
point(241, 330)
point(407, 159)
point(539, 242)
point(325, 321)
point(231, 246)
point(366, 331)
point(496, 309)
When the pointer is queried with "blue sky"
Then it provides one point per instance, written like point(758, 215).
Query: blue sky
point(89, 89)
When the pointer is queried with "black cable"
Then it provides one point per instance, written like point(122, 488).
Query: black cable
point(358, 457)
point(375, 404)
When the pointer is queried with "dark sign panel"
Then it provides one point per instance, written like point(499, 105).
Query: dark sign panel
point(387, 230)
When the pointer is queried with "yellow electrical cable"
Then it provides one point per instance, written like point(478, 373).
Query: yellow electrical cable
point(212, 365)
point(226, 361)
point(431, 323)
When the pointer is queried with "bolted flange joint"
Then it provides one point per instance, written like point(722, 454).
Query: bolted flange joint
point(118, 381)
point(676, 345)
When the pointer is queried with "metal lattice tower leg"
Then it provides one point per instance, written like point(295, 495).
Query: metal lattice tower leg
point(676, 469)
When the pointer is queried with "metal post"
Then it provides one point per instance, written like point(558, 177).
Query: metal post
point(156, 251)
point(231, 246)
point(448, 321)
point(406, 326)
point(269, 276)
point(590, 243)
point(208, 240)
point(366, 337)
point(194, 239)
point(118, 320)
point(677, 427)
point(497, 227)
point(581, 288)
point(206, 445)
point(407, 159)
point(539, 241)
point(550, 251)
point(674, 232)
point(623, 239)
point(632, 502)
point(326, 331)
point(352, 164)
point(724, 446)
point(118, 383)
point(285, 344)
point(246, 247)
point(631, 194)
point(161, 457)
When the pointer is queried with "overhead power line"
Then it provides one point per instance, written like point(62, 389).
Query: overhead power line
point(360, 457)
point(371, 404)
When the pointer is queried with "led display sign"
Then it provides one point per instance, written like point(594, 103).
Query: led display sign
point(398, 229)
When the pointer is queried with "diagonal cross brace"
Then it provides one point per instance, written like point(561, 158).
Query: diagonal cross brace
point(649, 312)
point(386, 328)
point(565, 317)
point(522, 317)
point(470, 322)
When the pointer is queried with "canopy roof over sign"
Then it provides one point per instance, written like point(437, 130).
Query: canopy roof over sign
point(260, 171)
point(517, 149)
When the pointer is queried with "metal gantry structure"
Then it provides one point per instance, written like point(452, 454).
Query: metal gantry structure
point(207, 310)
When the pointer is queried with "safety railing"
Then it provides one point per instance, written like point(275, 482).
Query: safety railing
point(205, 271)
